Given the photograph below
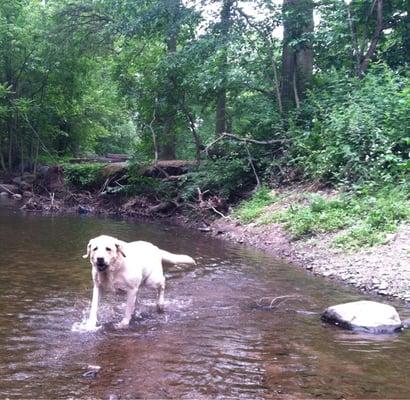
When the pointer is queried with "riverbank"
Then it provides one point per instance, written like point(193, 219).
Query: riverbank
point(330, 235)
point(382, 269)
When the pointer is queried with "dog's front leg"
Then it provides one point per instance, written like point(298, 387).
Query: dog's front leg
point(92, 319)
point(130, 307)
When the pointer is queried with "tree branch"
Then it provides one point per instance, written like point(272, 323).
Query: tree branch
point(258, 182)
point(253, 141)
point(375, 39)
point(270, 53)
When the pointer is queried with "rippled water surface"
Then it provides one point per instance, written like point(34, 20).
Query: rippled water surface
point(214, 340)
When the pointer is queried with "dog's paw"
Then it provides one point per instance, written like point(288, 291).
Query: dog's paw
point(85, 327)
point(92, 327)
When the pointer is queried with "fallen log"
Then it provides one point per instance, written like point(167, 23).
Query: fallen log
point(167, 168)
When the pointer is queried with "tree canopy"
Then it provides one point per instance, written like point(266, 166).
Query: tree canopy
point(211, 81)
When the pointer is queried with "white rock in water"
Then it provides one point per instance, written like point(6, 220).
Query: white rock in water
point(364, 315)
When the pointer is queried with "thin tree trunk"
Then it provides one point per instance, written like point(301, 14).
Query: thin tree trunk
point(167, 151)
point(196, 137)
point(375, 39)
point(35, 161)
point(276, 80)
point(21, 155)
point(297, 60)
point(288, 57)
point(10, 152)
point(355, 45)
point(2, 161)
point(168, 145)
point(221, 118)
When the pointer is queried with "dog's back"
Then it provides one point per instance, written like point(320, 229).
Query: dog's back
point(149, 250)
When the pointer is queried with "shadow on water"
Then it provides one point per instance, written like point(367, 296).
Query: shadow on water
point(219, 337)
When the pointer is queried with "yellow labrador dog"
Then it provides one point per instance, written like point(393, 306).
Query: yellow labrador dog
point(121, 265)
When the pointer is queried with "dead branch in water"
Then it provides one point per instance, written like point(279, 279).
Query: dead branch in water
point(275, 301)
point(220, 214)
point(3, 187)
point(210, 204)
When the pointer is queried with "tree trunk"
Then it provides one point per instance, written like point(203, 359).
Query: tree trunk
point(2, 161)
point(10, 151)
point(167, 146)
point(375, 39)
point(297, 59)
point(221, 118)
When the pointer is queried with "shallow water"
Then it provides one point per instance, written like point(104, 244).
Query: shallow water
point(213, 341)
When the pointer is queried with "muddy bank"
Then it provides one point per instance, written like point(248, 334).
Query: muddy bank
point(382, 270)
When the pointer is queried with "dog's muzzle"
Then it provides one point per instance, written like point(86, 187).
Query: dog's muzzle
point(101, 265)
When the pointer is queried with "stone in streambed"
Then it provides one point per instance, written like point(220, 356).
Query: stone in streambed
point(365, 316)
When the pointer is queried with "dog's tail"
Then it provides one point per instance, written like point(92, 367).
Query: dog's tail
point(177, 258)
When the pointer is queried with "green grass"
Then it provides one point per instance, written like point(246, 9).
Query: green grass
point(251, 209)
point(362, 219)
point(319, 216)
point(361, 235)
point(365, 218)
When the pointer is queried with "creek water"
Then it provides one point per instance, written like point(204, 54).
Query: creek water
point(217, 339)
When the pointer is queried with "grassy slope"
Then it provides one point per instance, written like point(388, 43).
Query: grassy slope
point(360, 219)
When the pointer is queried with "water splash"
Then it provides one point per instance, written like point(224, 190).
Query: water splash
point(84, 325)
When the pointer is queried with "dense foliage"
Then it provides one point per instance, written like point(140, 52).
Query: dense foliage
point(166, 78)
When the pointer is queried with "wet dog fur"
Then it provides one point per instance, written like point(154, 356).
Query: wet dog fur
point(116, 264)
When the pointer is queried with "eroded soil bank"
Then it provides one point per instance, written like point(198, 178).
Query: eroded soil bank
point(382, 270)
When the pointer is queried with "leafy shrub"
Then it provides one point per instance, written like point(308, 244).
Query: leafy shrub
point(319, 216)
point(143, 185)
point(84, 176)
point(222, 177)
point(358, 132)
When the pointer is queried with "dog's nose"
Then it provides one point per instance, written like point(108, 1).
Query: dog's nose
point(100, 260)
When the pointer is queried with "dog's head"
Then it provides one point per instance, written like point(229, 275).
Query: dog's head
point(104, 251)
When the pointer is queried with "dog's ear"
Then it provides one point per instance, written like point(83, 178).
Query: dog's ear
point(120, 249)
point(88, 250)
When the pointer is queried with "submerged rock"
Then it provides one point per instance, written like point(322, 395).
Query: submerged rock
point(92, 371)
point(367, 316)
point(83, 210)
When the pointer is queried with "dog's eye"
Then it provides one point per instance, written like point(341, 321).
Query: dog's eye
point(95, 248)
point(108, 249)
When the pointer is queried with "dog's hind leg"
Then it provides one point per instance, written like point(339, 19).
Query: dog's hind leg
point(160, 296)
point(129, 309)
